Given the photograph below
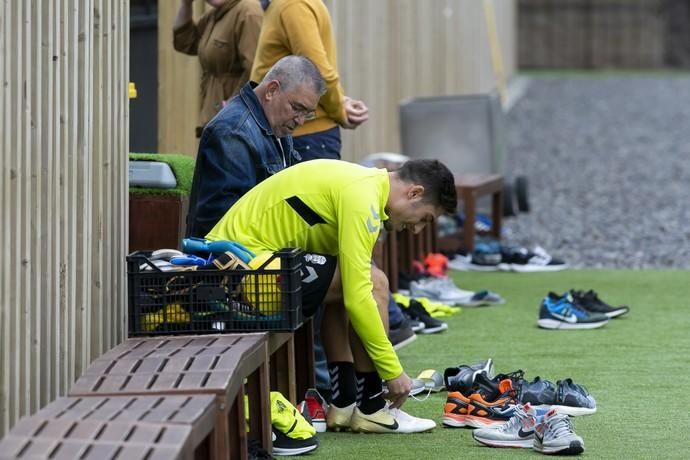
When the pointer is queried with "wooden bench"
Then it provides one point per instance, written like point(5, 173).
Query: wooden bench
point(469, 189)
point(213, 364)
point(37, 438)
point(196, 412)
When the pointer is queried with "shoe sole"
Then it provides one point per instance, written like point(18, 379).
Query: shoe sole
point(574, 448)
point(573, 411)
point(617, 312)
point(434, 330)
point(532, 268)
point(290, 452)
point(516, 443)
point(546, 323)
point(454, 421)
point(405, 342)
point(482, 422)
point(366, 426)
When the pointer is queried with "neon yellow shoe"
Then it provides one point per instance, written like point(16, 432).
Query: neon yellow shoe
point(338, 418)
point(287, 419)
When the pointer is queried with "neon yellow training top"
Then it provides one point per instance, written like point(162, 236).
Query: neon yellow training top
point(343, 207)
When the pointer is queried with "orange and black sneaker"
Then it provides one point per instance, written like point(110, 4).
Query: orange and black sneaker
point(455, 410)
point(482, 413)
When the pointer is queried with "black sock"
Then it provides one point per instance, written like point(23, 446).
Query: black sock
point(369, 387)
point(343, 388)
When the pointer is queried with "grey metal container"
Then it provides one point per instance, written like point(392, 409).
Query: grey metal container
point(467, 133)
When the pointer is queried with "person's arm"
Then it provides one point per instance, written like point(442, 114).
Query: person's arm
point(358, 229)
point(186, 34)
point(302, 31)
point(227, 171)
point(247, 37)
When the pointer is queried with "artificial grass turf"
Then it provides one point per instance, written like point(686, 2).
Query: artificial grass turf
point(182, 167)
point(636, 366)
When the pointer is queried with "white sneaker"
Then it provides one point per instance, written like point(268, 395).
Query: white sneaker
point(516, 432)
point(555, 435)
point(339, 418)
point(439, 290)
point(389, 420)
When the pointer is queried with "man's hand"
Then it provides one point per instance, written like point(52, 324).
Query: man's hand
point(355, 111)
point(399, 389)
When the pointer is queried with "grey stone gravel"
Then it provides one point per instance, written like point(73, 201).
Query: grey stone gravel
point(608, 164)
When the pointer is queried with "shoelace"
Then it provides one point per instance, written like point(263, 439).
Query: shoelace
point(560, 426)
point(514, 421)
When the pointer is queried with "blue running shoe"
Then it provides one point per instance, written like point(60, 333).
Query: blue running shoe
point(561, 312)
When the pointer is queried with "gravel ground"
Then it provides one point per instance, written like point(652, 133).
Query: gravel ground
point(608, 164)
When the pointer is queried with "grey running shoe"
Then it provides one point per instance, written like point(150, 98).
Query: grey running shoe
point(566, 396)
point(516, 432)
point(573, 399)
point(462, 378)
point(538, 392)
point(555, 435)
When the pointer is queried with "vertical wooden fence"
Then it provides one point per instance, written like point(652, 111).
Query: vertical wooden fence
point(63, 193)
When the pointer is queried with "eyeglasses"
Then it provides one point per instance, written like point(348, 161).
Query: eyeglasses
point(299, 110)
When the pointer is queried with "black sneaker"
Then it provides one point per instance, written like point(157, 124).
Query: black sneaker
point(256, 452)
point(284, 445)
point(415, 325)
point(519, 259)
point(462, 378)
point(416, 311)
point(591, 302)
point(401, 335)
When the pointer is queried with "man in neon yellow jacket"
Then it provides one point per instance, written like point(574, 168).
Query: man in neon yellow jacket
point(334, 210)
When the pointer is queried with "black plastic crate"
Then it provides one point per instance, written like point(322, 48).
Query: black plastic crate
point(207, 301)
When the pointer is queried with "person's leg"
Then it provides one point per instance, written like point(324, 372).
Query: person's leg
point(334, 331)
point(369, 387)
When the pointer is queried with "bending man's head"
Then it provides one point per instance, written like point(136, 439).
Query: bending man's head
point(420, 191)
point(289, 93)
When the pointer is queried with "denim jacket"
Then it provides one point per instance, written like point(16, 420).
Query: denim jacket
point(237, 150)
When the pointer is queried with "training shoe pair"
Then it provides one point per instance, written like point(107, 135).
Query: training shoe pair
point(477, 410)
point(385, 420)
point(549, 433)
point(462, 377)
point(519, 259)
point(591, 302)
point(561, 312)
point(566, 396)
point(417, 312)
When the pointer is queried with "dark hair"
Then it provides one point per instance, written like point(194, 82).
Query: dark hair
point(292, 71)
point(437, 180)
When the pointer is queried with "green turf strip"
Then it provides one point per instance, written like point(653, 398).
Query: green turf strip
point(637, 367)
point(182, 167)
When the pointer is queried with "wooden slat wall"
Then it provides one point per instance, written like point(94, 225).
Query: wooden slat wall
point(388, 50)
point(63, 137)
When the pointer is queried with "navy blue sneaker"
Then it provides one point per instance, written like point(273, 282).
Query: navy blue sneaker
point(591, 302)
point(539, 393)
point(561, 312)
point(574, 399)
